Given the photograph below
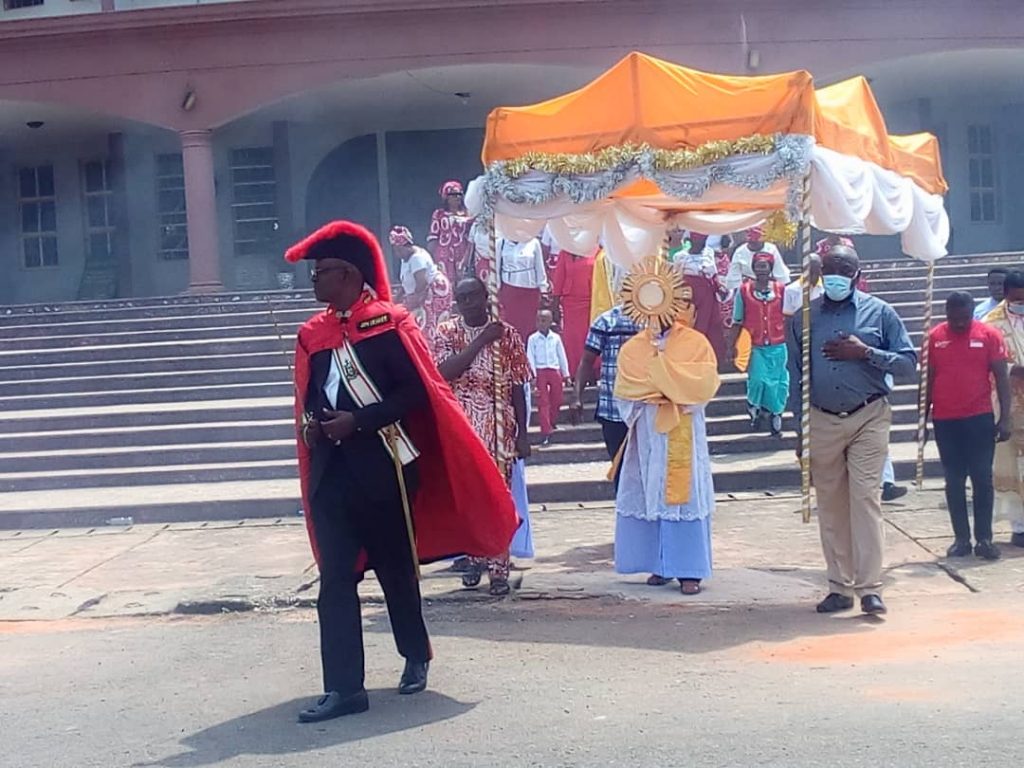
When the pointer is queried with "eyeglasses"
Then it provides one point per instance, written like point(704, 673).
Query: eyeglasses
point(315, 272)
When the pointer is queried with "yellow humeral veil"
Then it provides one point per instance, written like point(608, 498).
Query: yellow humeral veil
point(672, 370)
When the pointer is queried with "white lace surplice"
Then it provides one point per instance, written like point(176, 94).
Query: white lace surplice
point(645, 464)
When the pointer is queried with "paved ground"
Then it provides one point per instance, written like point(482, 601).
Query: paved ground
point(763, 555)
point(592, 683)
point(106, 663)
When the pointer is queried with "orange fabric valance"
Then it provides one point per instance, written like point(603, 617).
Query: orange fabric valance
point(644, 100)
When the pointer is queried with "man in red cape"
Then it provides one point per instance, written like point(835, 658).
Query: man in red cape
point(383, 448)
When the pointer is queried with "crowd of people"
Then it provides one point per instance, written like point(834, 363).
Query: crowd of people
point(561, 308)
point(364, 376)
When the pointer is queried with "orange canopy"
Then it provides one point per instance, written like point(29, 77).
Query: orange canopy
point(646, 100)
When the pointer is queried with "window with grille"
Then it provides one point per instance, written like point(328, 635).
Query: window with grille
point(170, 191)
point(983, 190)
point(10, 5)
point(254, 201)
point(99, 211)
point(37, 204)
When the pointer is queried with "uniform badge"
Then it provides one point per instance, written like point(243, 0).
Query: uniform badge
point(373, 322)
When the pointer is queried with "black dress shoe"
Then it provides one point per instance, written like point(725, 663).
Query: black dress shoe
point(835, 602)
point(333, 704)
point(414, 678)
point(1017, 539)
point(959, 549)
point(986, 550)
point(873, 604)
point(891, 491)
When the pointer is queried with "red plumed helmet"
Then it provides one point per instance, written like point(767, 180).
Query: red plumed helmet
point(349, 241)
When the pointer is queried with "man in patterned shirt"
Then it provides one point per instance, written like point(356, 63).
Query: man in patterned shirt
point(465, 348)
point(608, 333)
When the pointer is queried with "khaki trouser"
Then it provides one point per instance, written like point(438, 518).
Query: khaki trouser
point(847, 456)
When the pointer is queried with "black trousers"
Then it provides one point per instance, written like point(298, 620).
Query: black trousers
point(967, 447)
point(346, 521)
point(614, 434)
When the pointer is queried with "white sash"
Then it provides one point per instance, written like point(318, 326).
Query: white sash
point(364, 392)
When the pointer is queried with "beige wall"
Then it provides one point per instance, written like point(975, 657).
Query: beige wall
point(68, 7)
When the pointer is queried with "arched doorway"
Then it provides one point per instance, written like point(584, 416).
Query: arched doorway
point(345, 185)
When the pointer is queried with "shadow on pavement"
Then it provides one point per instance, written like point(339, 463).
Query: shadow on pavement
point(594, 557)
point(606, 623)
point(274, 731)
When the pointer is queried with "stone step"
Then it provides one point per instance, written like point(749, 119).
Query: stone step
point(79, 376)
point(152, 497)
point(118, 395)
point(258, 444)
point(727, 413)
point(272, 440)
point(165, 351)
point(108, 338)
point(98, 325)
point(198, 304)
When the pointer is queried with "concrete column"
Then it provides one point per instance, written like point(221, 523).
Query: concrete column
point(286, 233)
point(201, 204)
point(384, 198)
point(118, 182)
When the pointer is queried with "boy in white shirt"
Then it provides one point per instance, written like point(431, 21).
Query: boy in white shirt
point(550, 367)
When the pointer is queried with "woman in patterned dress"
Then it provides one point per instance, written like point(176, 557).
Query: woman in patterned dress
point(449, 241)
point(425, 289)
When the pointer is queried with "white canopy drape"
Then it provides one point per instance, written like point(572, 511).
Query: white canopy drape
point(848, 196)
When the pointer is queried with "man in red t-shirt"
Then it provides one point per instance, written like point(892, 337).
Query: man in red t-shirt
point(965, 355)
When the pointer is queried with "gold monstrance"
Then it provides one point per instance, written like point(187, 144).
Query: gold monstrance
point(654, 292)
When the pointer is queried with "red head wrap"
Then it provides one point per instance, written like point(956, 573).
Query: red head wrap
point(823, 246)
point(351, 242)
point(400, 235)
point(756, 234)
point(763, 256)
point(450, 188)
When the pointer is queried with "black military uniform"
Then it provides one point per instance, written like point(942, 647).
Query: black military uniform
point(356, 506)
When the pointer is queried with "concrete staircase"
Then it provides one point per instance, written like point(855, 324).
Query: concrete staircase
point(180, 408)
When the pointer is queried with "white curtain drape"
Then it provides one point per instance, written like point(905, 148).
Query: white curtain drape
point(848, 196)
point(851, 196)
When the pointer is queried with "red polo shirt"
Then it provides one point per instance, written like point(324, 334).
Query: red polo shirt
point(962, 384)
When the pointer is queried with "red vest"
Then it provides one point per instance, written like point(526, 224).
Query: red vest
point(763, 320)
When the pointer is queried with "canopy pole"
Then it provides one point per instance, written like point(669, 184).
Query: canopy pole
point(491, 280)
point(805, 347)
point(922, 387)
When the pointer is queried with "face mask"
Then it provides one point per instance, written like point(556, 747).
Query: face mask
point(837, 287)
point(1016, 307)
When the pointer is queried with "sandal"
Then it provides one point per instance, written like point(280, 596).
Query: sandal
point(499, 589)
point(654, 580)
point(689, 586)
point(471, 578)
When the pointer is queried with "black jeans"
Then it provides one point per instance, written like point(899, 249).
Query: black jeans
point(614, 434)
point(967, 447)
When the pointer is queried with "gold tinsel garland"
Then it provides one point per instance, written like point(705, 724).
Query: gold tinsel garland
point(565, 164)
point(778, 228)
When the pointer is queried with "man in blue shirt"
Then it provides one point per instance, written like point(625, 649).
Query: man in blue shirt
point(608, 333)
point(857, 340)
